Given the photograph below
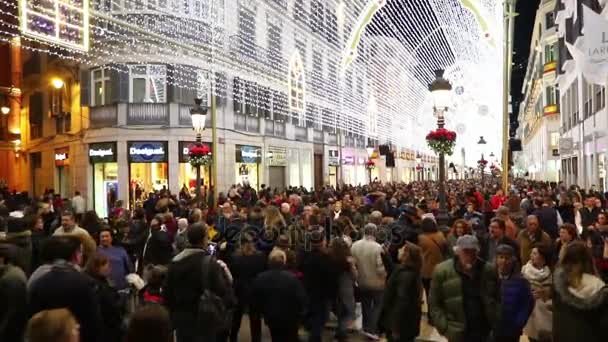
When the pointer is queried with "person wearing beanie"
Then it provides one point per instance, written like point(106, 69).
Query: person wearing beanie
point(463, 296)
point(516, 300)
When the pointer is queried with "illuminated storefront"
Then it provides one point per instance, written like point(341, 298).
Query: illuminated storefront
point(187, 172)
point(62, 172)
point(148, 168)
point(105, 176)
point(248, 160)
point(333, 162)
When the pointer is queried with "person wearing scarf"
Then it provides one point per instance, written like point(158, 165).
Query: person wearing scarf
point(539, 274)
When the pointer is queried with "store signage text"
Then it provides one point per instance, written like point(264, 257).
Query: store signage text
point(334, 158)
point(101, 152)
point(148, 152)
point(61, 156)
point(248, 154)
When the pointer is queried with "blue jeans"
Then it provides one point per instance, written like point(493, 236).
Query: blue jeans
point(371, 306)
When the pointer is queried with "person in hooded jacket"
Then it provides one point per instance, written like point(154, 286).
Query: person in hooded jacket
point(580, 298)
point(516, 301)
point(157, 249)
point(402, 310)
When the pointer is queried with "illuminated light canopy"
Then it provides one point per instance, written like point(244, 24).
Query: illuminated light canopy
point(397, 52)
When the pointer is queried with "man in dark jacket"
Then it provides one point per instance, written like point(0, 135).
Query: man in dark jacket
point(548, 217)
point(59, 284)
point(516, 297)
point(463, 296)
point(589, 213)
point(185, 285)
point(320, 282)
point(498, 237)
point(271, 291)
point(13, 296)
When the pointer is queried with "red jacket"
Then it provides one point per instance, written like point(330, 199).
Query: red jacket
point(497, 201)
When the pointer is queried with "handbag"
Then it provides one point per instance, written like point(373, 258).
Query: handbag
point(213, 313)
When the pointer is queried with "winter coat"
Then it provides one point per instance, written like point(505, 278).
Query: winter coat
point(540, 321)
point(110, 305)
point(402, 306)
point(63, 286)
point(434, 249)
point(547, 218)
point(279, 296)
point(13, 303)
point(368, 255)
point(184, 287)
point(158, 249)
point(516, 303)
point(320, 276)
point(527, 242)
point(244, 269)
point(449, 305)
point(582, 316)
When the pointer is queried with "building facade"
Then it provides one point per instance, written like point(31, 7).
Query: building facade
point(583, 113)
point(539, 112)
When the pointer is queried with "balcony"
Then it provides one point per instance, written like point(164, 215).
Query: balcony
point(549, 67)
point(317, 136)
point(103, 116)
point(148, 114)
point(274, 128)
point(247, 123)
point(550, 110)
point(301, 133)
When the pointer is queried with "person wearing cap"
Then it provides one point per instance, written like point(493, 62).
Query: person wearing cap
point(516, 300)
point(463, 297)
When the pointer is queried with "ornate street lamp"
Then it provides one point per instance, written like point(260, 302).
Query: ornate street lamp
point(441, 90)
point(369, 164)
point(482, 161)
point(198, 114)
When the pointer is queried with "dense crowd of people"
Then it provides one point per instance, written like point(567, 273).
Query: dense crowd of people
point(533, 261)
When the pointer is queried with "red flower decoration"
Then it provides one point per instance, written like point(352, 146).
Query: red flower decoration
point(441, 141)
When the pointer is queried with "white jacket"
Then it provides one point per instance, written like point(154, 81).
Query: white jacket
point(368, 255)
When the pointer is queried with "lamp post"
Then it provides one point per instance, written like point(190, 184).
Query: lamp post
point(441, 90)
point(419, 164)
point(370, 152)
point(482, 168)
point(199, 115)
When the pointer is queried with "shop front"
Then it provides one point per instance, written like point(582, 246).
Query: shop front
point(102, 157)
point(333, 162)
point(148, 168)
point(187, 172)
point(350, 169)
point(62, 171)
point(276, 159)
point(248, 160)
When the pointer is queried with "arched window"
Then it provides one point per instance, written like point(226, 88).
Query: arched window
point(297, 86)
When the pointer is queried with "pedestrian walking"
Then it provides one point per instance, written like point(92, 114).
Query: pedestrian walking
point(538, 272)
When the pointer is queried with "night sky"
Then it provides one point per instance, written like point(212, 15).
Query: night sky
point(524, 24)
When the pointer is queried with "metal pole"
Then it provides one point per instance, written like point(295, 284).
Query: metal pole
point(198, 175)
point(509, 13)
point(442, 217)
point(215, 148)
point(483, 169)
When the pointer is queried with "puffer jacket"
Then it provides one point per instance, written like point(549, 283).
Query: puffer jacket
point(582, 316)
point(447, 306)
point(516, 303)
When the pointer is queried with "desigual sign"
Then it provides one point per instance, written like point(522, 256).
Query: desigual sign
point(102, 152)
point(148, 152)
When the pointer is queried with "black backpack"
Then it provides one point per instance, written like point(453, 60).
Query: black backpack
point(213, 313)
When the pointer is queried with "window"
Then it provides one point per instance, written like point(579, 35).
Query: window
point(331, 29)
point(600, 98)
point(63, 123)
point(36, 116)
point(549, 20)
point(301, 47)
point(247, 33)
point(550, 96)
point(317, 16)
point(279, 106)
point(148, 83)
point(274, 44)
point(299, 11)
point(550, 53)
point(237, 95)
point(554, 143)
point(317, 70)
point(297, 86)
point(101, 85)
point(372, 117)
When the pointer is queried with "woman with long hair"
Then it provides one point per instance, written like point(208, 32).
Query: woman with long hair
point(347, 269)
point(57, 325)
point(99, 268)
point(567, 234)
point(580, 298)
point(459, 228)
point(273, 218)
point(246, 264)
point(401, 310)
point(538, 273)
